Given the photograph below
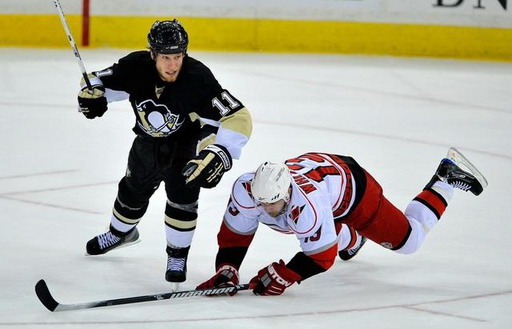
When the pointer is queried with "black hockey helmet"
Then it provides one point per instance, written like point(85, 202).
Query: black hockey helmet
point(168, 37)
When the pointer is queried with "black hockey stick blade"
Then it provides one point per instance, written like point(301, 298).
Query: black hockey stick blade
point(44, 295)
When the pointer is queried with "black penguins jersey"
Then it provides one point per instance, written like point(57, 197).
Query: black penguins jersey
point(171, 109)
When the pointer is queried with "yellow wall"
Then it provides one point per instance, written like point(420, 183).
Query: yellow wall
point(37, 30)
point(270, 35)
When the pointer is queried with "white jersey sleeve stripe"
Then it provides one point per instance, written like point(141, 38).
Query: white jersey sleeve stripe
point(319, 250)
point(250, 231)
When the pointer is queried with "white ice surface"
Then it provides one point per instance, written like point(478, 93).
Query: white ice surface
point(396, 116)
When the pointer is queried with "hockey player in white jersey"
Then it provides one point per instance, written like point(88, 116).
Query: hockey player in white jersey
point(333, 206)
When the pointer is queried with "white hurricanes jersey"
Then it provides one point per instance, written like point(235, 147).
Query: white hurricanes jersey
point(322, 188)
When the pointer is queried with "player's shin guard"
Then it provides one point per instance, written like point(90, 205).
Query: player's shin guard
point(125, 217)
point(414, 239)
point(435, 197)
point(180, 221)
point(180, 226)
point(424, 212)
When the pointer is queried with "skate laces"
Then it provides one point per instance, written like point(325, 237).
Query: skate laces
point(460, 173)
point(457, 177)
point(460, 185)
point(354, 250)
point(108, 239)
point(175, 264)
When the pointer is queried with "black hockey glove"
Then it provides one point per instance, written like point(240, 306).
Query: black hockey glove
point(92, 103)
point(207, 168)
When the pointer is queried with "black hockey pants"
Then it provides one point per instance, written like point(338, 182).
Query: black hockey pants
point(151, 161)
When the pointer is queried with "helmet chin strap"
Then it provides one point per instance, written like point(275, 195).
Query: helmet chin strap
point(286, 200)
point(153, 54)
point(284, 208)
point(288, 195)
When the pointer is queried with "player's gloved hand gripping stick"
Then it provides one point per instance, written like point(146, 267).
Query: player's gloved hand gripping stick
point(91, 100)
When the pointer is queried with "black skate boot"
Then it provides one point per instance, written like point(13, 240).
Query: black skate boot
point(112, 239)
point(350, 253)
point(450, 171)
point(176, 264)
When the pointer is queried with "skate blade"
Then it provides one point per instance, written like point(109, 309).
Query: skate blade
point(120, 247)
point(459, 159)
point(175, 286)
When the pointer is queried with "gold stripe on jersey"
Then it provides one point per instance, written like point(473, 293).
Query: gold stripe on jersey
point(240, 121)
point(125, 220)
point(194, 116)
point(210, 139)
point(159, 91)
point(184, 225)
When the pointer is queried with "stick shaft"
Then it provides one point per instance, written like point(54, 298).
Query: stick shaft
point(46, 298)
point(72, 43)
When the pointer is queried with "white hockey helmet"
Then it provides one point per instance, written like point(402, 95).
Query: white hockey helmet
point(271, 182)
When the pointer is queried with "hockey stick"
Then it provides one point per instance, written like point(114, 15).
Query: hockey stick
point(44, 295)
point(72, 43)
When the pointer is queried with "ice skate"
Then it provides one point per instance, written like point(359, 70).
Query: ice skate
point(350, 253)
point(110, 240)
point(460, 173)
point(176, 271)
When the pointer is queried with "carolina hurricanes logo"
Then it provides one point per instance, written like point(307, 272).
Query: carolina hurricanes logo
point(388, 245)
point(156, 119)
point(231, 208)
point(247, 187)
point(295, 213)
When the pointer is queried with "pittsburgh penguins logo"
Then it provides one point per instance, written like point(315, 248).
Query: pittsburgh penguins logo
point(156, 119)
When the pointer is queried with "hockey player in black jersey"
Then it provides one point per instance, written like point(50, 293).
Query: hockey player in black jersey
point(188, 129)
